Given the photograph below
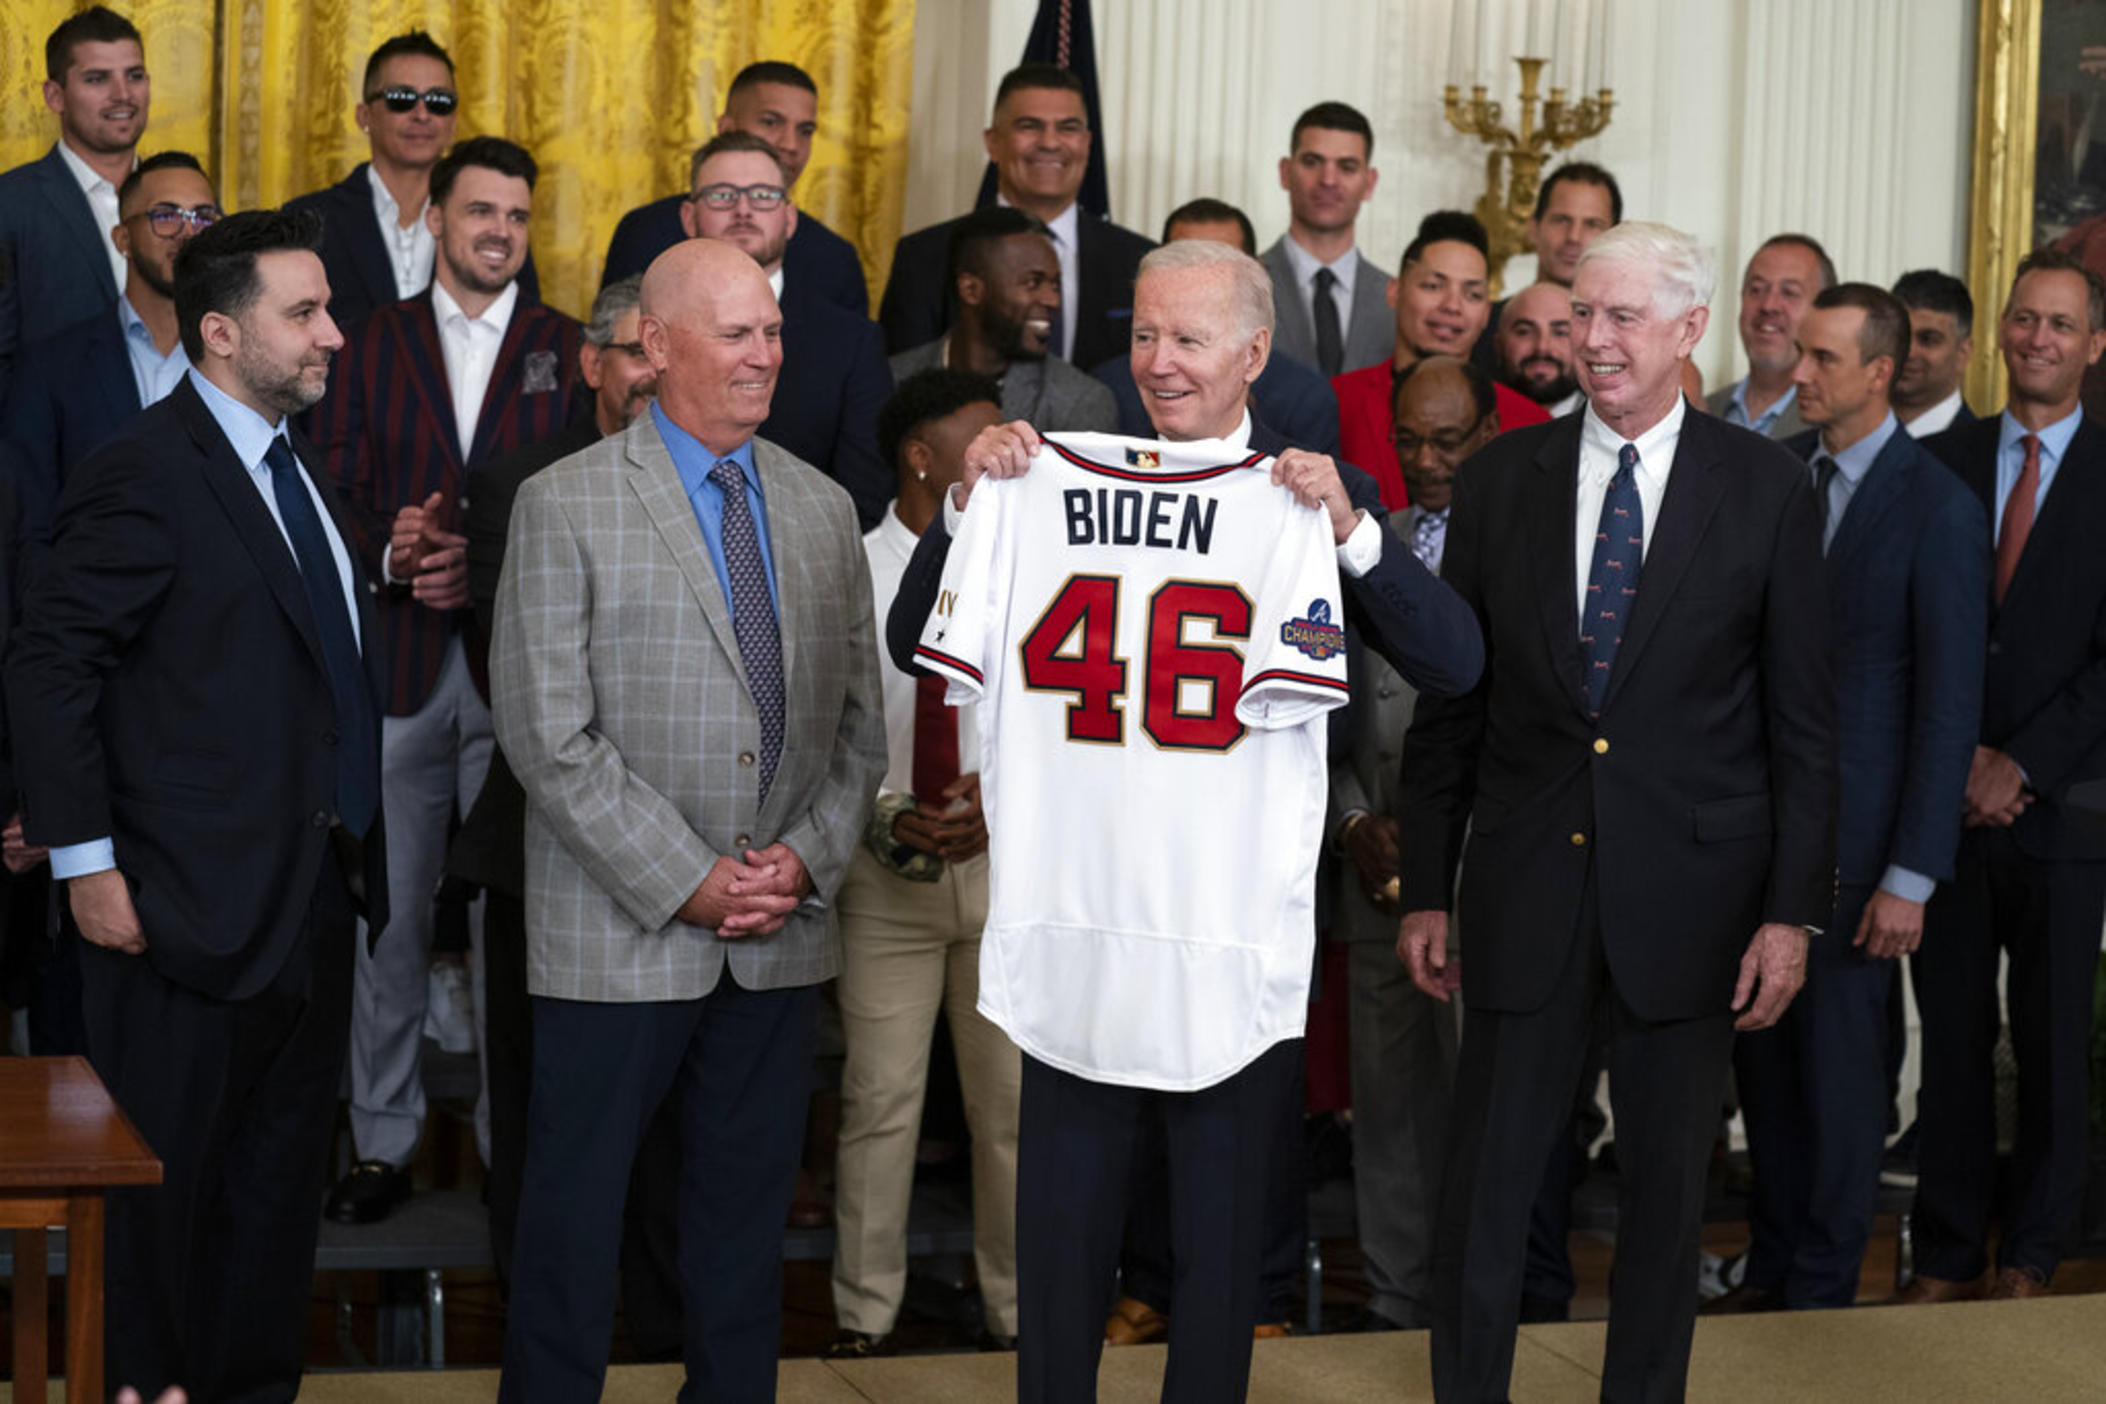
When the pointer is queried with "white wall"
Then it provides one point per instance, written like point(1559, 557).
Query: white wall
point(1846, 119)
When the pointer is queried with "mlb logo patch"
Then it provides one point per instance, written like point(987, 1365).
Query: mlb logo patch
point(1314, 635)
point(1143, 458)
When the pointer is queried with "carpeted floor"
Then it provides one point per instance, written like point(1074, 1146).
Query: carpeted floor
point(2042, 1352)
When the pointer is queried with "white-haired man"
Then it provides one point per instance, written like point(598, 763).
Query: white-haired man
point(1647, 775)
point(1202, 330)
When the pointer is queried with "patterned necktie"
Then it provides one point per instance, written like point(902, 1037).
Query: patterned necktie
point(1428, 537)
point(1612, 582)
point(357, 736)
point(1824, 471)
point(2018, 517)
point(935, 739)
point(1330, 340)
point(752, 615)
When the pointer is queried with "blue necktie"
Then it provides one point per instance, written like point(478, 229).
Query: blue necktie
point(1612, 582)
point(752, 615)
point(358, 738)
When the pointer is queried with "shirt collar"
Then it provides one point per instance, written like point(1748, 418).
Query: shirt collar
point(1855, 461)
point(497, 316)
point(88, 178)
point(385, 204)
point(694, 461)
point(1655, 446)
point(1062, 226)
point(128, 315)
point(2054, 440)
point(775, 283)
point(1938, 417)
point(1777, 406)
point(249, 432)
point(893, 534)
point(1305, 265)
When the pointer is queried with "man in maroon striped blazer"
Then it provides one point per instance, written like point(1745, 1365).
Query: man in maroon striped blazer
point(432, 386)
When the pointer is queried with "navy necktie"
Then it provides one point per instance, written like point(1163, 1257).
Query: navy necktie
point(1330, 338)
point(752, 615)
point(1824, 471)
point(358, 737)
point(1612, 582)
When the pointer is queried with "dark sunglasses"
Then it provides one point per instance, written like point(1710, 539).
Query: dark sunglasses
point(170, 220)
point(437, 101)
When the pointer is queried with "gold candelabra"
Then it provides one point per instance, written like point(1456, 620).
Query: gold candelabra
point(1506, 205)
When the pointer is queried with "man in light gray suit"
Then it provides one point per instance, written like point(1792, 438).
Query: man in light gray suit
point(1005, 294)
point(1330, 301)
point(684, 677)
point(1402, 1044)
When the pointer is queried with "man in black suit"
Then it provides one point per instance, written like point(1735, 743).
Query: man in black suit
point(1908, 586)
point(834, 379)
point(376, 245)
point(1927, 396)
point(57, 263)
point(80, 383)
point(1039, 142)
point(1647, 777)
point(779, 103)
point(2032, 880)
point(199, 723)
point(490, 849)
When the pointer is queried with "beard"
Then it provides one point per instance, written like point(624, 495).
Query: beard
point(284, 387)
point(151, 276)
point(1549, 393)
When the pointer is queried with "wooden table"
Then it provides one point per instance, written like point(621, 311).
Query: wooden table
point(62, 1142)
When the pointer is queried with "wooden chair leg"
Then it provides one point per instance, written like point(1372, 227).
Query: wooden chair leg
point(32, 1318)
point(84, 1299)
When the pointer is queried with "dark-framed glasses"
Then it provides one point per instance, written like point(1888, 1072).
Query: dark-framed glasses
point(171, 220)
point(724, 197)
point(632, 349)
point(401, 98)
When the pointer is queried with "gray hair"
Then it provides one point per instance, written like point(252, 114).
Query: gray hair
point(1684, 272)
point(607, 309)
point(1251, 285)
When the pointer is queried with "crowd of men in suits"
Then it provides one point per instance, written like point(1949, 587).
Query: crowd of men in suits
point(378, 631)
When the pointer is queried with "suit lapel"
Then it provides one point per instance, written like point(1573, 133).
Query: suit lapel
point(111, 370)
point(369, 253)
point(253, 523)
point(2068, 514)
point(1551, 533)
point(427, 362)
point(70, 204)
point(656, 483)
point(1874, 499)
point(1694, 487)
point(791, 544)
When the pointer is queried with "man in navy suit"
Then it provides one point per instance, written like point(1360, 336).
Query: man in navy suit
point(1926, 392)
point(2031, 882)
point(834, 378)
point(1908, 575)
point(57, 264)
point(77, 385)
point(779, 103)
point(376, 244)
point(1039, 142)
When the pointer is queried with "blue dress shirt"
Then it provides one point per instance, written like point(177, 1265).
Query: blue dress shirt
point(694, 462)
point(1737, 409)
point(2011, 459)
point(1851, 465)
point(154, 374)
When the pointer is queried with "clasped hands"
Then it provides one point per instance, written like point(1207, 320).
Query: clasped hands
point(1996, 790)
point(753, 898)
point(433, 561)
point(952, 826)
point(1006, 450)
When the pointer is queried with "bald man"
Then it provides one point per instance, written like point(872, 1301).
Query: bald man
point(684, 677)
point(1535, 347)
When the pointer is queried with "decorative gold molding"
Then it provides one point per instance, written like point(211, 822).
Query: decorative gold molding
point(2000, 222)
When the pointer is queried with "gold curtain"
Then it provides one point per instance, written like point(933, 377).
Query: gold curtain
point(611, 96)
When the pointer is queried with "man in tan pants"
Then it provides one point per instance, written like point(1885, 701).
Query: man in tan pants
point(911, 910)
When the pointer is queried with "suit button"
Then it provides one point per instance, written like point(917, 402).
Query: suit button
point(320, 819)
point(1601, 746)
point(1995, 648)
point(1579, 840)
point(745, 757)
point(742, 842)
point(329, 737)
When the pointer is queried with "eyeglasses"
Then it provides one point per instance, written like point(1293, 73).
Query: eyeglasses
point(437, 101)
point(632, 349)
point(725, 197)
point(171, 220)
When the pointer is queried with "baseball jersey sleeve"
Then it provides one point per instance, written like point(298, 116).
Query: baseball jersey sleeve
point(964, 629)
point(1296, 665)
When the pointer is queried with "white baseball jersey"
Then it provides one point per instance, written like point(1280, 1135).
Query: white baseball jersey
point(1152, 633)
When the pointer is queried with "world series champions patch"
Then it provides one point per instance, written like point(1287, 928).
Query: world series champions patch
point(1314, 635)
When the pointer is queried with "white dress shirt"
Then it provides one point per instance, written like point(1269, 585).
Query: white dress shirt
point(102, 199)
point(1066, 229)
point(1306, 264)
point(470, 347)
point(411, 251)
point(1599, 448)
point(1937, 419)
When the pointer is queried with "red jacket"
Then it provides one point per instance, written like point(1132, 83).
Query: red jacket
point(1365, 421)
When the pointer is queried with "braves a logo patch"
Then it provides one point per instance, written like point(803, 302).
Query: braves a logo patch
point(1314, 634)
point(1143, 458)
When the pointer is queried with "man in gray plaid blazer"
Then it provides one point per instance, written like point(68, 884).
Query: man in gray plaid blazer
point(684, 677)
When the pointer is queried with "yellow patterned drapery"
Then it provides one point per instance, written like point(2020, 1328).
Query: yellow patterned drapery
point(611, 96)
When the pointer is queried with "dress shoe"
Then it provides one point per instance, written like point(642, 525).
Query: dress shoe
point(2015, 1284)
point(858, 1345)
point(1271, 1330)
point(1134, 1322)
point(369, 1192)
point(1743, 1300)
point(1536, 1311)
point(994, 1342)
point(1927, 1291)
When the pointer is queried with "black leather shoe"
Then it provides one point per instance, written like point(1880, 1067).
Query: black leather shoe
point(369, 1192)
point(991, 1342)
point(858, 1345)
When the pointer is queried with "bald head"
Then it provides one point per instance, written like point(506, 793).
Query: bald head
point(713, 334)
point(1535, 343)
